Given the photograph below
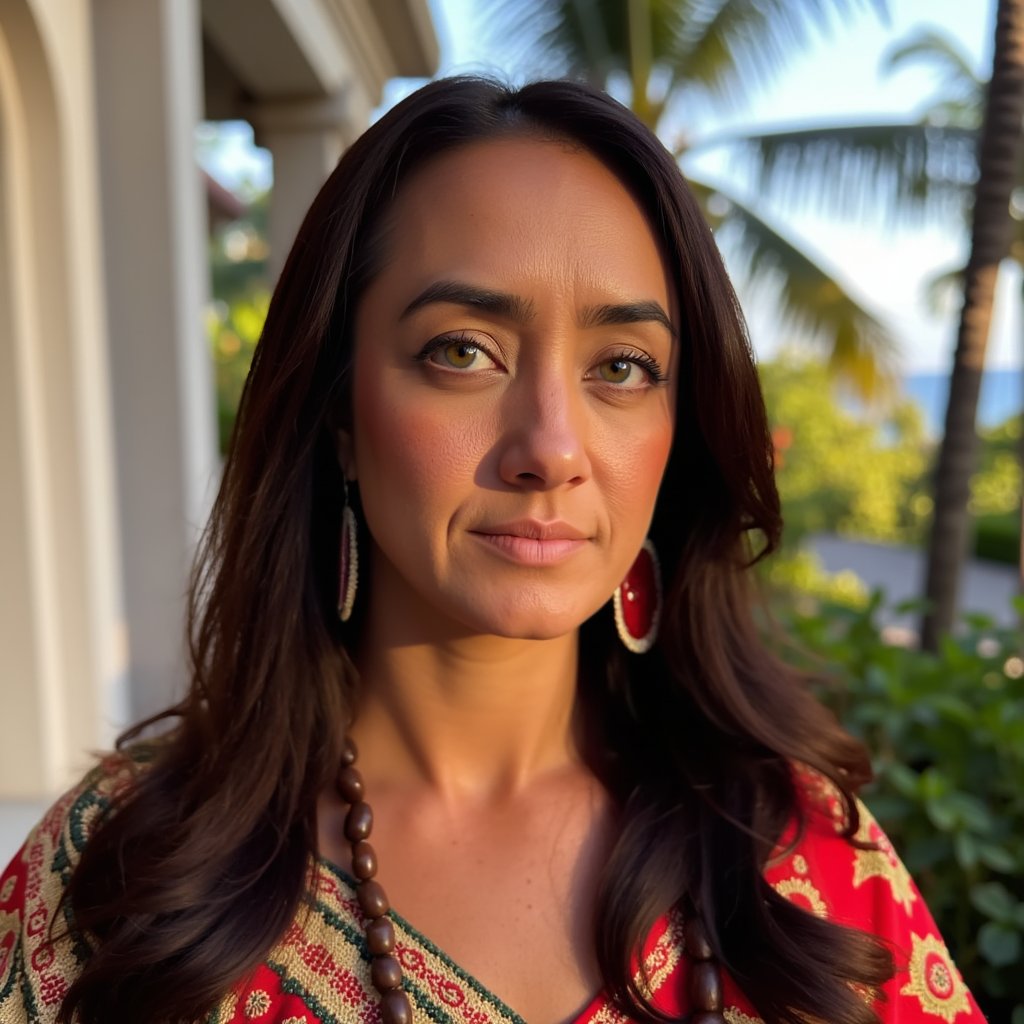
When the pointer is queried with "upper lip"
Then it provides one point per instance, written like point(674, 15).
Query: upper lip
point(534, 529)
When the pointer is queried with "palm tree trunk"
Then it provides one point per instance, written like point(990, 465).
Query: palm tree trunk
point(1020, 509)
point(1000, 149)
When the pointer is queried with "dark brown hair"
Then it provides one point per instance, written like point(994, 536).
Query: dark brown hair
point(201, 867)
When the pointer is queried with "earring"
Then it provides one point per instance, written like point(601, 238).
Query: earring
point(638, 602)
point(348, 577)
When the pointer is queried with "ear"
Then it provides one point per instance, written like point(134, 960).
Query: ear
point(346, 452)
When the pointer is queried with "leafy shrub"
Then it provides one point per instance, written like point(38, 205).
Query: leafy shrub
point(946, 733)
point(997, 538)
point(838, 470)
point(996, 492)
point(233, 329)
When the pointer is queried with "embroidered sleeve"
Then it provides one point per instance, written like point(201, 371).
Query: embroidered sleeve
point(35, 972)
point(872, 890)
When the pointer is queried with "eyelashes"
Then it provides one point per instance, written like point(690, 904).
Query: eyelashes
point(460, 352)
point(633, 357)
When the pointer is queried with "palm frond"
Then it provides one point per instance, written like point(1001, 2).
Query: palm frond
point(543, 39)
point(584, 38)
point(811, 300)
point(731, 48)
point(903, 171)
point(944, 291)
point(961, 92)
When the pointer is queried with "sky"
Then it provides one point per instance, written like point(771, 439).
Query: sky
point(837, 79)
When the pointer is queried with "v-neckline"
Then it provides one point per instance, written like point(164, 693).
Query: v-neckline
point(586, 1013)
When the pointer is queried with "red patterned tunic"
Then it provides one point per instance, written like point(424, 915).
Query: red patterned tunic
point(319, 972)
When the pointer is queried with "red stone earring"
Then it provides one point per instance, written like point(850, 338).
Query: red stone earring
point(638, 602)
point(348, 575)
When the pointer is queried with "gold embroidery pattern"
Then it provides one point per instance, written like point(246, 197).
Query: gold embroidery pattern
point(9, 926)
point(881, 863)
point(226, 1010)
point(47, 859)
point(335, 973)
point(734, 1016)
point(802, 891)
point(934, 981)
point(800, 864)
point(660, 962)
point(257, 1004)
point(824, 793)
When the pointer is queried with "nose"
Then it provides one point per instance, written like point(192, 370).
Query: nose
point(545, 441)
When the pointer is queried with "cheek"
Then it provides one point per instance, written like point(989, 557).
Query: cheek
point(414, 449)
point(634, 464)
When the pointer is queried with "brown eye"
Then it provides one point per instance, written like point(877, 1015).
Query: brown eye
point(460, 354)
point(616, 371)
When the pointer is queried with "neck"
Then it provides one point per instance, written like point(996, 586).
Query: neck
point(475, 718)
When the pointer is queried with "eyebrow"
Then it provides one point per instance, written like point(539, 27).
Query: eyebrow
point(456, 293)
point(514, 307)
point(638, 312)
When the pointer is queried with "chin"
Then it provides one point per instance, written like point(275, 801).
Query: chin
point(530, 621)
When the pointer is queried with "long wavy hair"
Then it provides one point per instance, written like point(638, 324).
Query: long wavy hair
point(199, 868)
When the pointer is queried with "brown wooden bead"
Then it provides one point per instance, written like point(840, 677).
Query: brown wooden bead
point(350, 785)
point(395, 1007)
point(380, 936)
point(348, 752)
point(706, 1017)
point(372, 898)
point(705, 986)
point(695, 940)
point(385, 973)
point(364, 860)
point(358, 822)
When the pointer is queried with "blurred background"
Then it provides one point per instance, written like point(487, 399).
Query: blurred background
point(156, 157)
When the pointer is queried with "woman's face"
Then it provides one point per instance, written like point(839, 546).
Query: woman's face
point(514, 391)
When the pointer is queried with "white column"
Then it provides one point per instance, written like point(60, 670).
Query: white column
point(306, 139)
point(148, 73)
point(62, 674)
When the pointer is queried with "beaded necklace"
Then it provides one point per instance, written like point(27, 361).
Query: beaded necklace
point(705, 986)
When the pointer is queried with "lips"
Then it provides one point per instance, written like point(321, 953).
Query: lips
point(534, 529)
point(531, 542)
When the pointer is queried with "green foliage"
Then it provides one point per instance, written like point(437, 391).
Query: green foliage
point(233, 330)
point(946, 732)
point(997, 538)
point(996, 487)
point(241, 296)
point(800, 573)
point(867, 476)
point(996, 493)
point(838, 471)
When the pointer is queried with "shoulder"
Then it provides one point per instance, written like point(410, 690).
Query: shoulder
point(35, 972)
point(859, 881)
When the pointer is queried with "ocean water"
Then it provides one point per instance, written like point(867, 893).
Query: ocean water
point(1002, 396)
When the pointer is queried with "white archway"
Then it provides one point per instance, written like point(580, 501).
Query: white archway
point(62, 688)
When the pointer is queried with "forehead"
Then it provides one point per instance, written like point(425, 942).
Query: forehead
point(524, 208)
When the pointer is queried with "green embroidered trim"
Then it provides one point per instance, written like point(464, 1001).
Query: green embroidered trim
point(485, 994)
point(17, 971)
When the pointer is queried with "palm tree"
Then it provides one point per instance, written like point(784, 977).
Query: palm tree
point(921, 167)
point(1000, 152)
point(671, 56)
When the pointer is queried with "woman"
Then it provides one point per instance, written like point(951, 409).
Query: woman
point(502, 368)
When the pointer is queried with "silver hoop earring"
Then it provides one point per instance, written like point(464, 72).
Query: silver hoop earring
point(348, 576)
